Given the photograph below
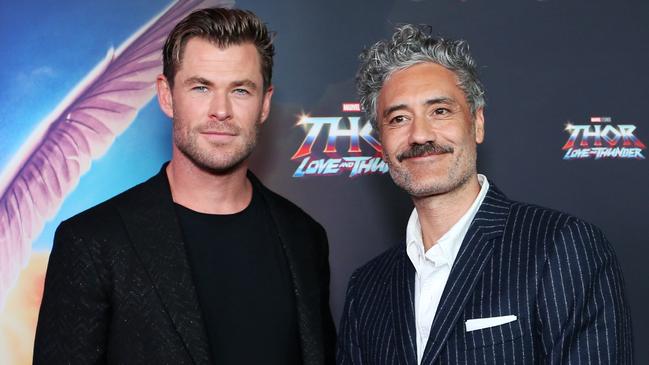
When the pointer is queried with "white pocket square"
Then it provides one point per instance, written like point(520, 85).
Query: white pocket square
point(482, 323)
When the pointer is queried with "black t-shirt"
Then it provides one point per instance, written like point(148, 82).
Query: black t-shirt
point(243, 284)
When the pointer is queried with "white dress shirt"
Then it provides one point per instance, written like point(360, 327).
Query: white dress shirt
point(434, 266)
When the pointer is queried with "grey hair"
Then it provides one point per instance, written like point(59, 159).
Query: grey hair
point(411, 45)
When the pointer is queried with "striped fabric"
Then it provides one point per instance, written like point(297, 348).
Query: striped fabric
point(557, 274)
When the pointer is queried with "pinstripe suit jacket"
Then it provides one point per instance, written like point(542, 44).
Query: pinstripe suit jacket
point(556, 273)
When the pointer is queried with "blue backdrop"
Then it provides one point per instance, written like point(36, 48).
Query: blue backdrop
point(545, 64)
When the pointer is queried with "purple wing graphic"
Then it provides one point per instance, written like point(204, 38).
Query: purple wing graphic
point(81, 129)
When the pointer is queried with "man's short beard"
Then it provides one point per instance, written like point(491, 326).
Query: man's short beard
point(458, 175)
point(207, 160)
point(403, 180)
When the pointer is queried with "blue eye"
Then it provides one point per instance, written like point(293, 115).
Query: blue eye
point(201, 89)
point(241, 91)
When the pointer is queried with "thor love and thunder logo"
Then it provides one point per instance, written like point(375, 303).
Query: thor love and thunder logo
point(361, 157)
point(602, 139)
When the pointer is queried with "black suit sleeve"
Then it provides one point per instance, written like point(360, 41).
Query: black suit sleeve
point(74, 314)
point(329, 329)
point(582, 312)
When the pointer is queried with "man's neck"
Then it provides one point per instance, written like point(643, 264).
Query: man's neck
point(207, 192)
point(438, 213)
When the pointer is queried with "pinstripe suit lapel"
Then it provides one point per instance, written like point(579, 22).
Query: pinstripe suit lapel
point(403, 309)
point(487, 226)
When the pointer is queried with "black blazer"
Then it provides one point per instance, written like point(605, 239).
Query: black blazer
point(119, 288)
point(557, 274)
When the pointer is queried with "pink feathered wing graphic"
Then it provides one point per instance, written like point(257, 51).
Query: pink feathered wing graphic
point(81, 129)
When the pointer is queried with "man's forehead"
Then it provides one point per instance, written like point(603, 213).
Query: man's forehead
point(422, 72)
point(415, 80)
point(196, 45)
point(203, 55)
point(423, 83)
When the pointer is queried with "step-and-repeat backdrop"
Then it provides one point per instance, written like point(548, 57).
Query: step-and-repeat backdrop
point(566, 123)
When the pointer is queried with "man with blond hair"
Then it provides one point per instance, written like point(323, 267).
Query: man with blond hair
point(201, 264)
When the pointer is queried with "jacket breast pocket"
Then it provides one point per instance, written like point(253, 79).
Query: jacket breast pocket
point(495, 335)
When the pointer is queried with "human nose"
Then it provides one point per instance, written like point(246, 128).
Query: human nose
point(421, 131)
point(220, 107)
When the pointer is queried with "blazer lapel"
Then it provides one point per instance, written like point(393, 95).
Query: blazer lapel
point(155, 233)
point(300, 263)
point(403, 309)
point(487, 226)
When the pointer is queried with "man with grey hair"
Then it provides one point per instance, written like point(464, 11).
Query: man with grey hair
point(481, 279)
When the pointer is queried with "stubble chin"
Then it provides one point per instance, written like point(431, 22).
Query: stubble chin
point(423, 184)
point(416, 186)
point(215, 159)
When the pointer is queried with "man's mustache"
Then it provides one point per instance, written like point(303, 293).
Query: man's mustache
point(219, 127)
point(418, 150)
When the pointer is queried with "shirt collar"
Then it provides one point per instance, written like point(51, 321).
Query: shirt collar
point(447, 247)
